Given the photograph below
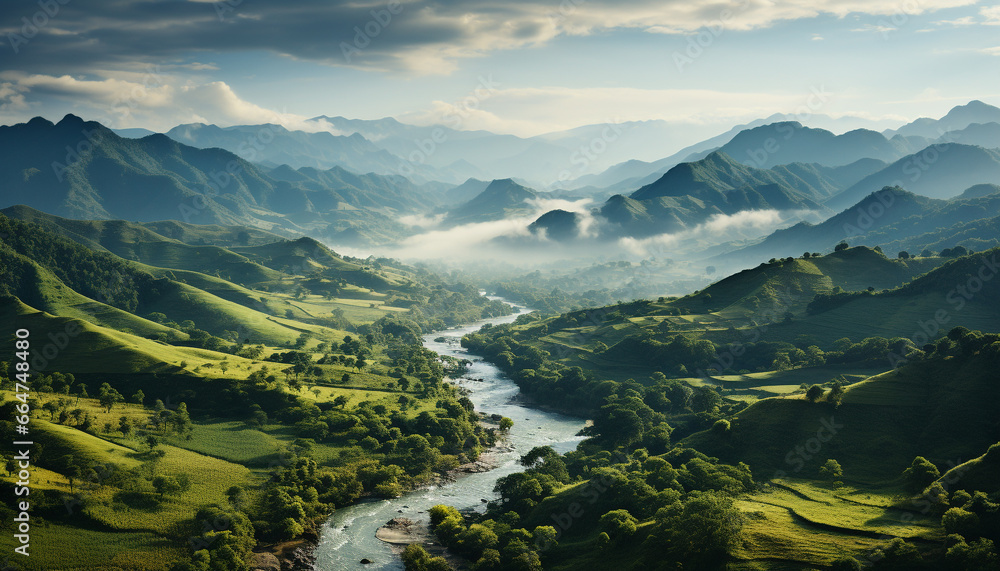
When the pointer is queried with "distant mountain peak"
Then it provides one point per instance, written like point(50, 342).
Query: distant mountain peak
point(559, 225)
point(40, 122)
point(70, 120)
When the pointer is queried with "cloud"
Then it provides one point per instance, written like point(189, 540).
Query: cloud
point(153, 99)
point(422, 220)
point(717, 229)
point(476, 241)
point(412, 36)
point(991, 15)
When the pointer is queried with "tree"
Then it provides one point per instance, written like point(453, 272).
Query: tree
point(618, 524)
point(139, 397)
point(721, 427)
point(109, 397)
point(976, 556)
point(544, 536)
point(506, 424)
point(920, 474)
point(289, 528)
point(181, 419)
point(904, 255)
point(836, 394)
point(814, 393)
point(957, 520)
point(846, 564)
point(700, 532)
point(125, 425)
point(166, 485)
point(82, 393)
point(831, 470)
point(840, 247)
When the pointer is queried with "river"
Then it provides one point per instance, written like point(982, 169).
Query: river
point(348, 536)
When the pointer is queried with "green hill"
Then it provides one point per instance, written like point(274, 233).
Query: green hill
point(82, 347)
point(792, 284)
point(137, 242)
point(938, 407)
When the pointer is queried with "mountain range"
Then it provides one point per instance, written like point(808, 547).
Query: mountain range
point(81, 169)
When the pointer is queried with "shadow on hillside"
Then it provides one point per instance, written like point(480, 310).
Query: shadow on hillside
point(145, 501)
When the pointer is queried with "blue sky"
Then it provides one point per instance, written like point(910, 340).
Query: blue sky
point(549, 65)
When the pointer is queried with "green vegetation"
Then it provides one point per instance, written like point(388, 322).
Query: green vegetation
point(197, 419)
point(875, 435)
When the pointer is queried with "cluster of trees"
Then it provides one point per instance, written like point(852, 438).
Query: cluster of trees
point(198, 337)
point(98, 275)
point(492, 544)
point(446, 306)
point(685, 496)
point(623, 412)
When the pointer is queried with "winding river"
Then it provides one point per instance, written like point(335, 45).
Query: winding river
point(349, 535)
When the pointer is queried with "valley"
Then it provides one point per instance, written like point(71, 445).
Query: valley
point(774, 348)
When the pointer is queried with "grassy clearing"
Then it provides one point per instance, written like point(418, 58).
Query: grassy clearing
point(210, 478)
point(804, 522)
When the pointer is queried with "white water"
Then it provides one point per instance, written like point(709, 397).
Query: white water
point(349, 535)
